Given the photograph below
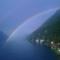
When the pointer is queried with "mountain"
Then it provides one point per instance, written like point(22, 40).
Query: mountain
point(48, 33)
point(3, 38)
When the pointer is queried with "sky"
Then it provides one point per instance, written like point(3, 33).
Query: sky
point(15, 12)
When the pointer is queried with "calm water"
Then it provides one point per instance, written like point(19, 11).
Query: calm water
point(23, 50)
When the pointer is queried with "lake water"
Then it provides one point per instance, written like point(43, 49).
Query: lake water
point(23, 50)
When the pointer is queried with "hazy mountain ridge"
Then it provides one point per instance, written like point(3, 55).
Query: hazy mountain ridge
point(3, 38)
point(49, 29)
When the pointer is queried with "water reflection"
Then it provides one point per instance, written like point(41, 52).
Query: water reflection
point(22, 50)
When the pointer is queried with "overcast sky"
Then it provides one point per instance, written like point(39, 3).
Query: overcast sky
point(15, 12)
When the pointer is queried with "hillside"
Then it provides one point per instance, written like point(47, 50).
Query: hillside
point(49, 33)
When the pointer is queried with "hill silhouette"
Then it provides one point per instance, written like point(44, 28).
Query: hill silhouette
point(49, 30)
point(3, 38)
